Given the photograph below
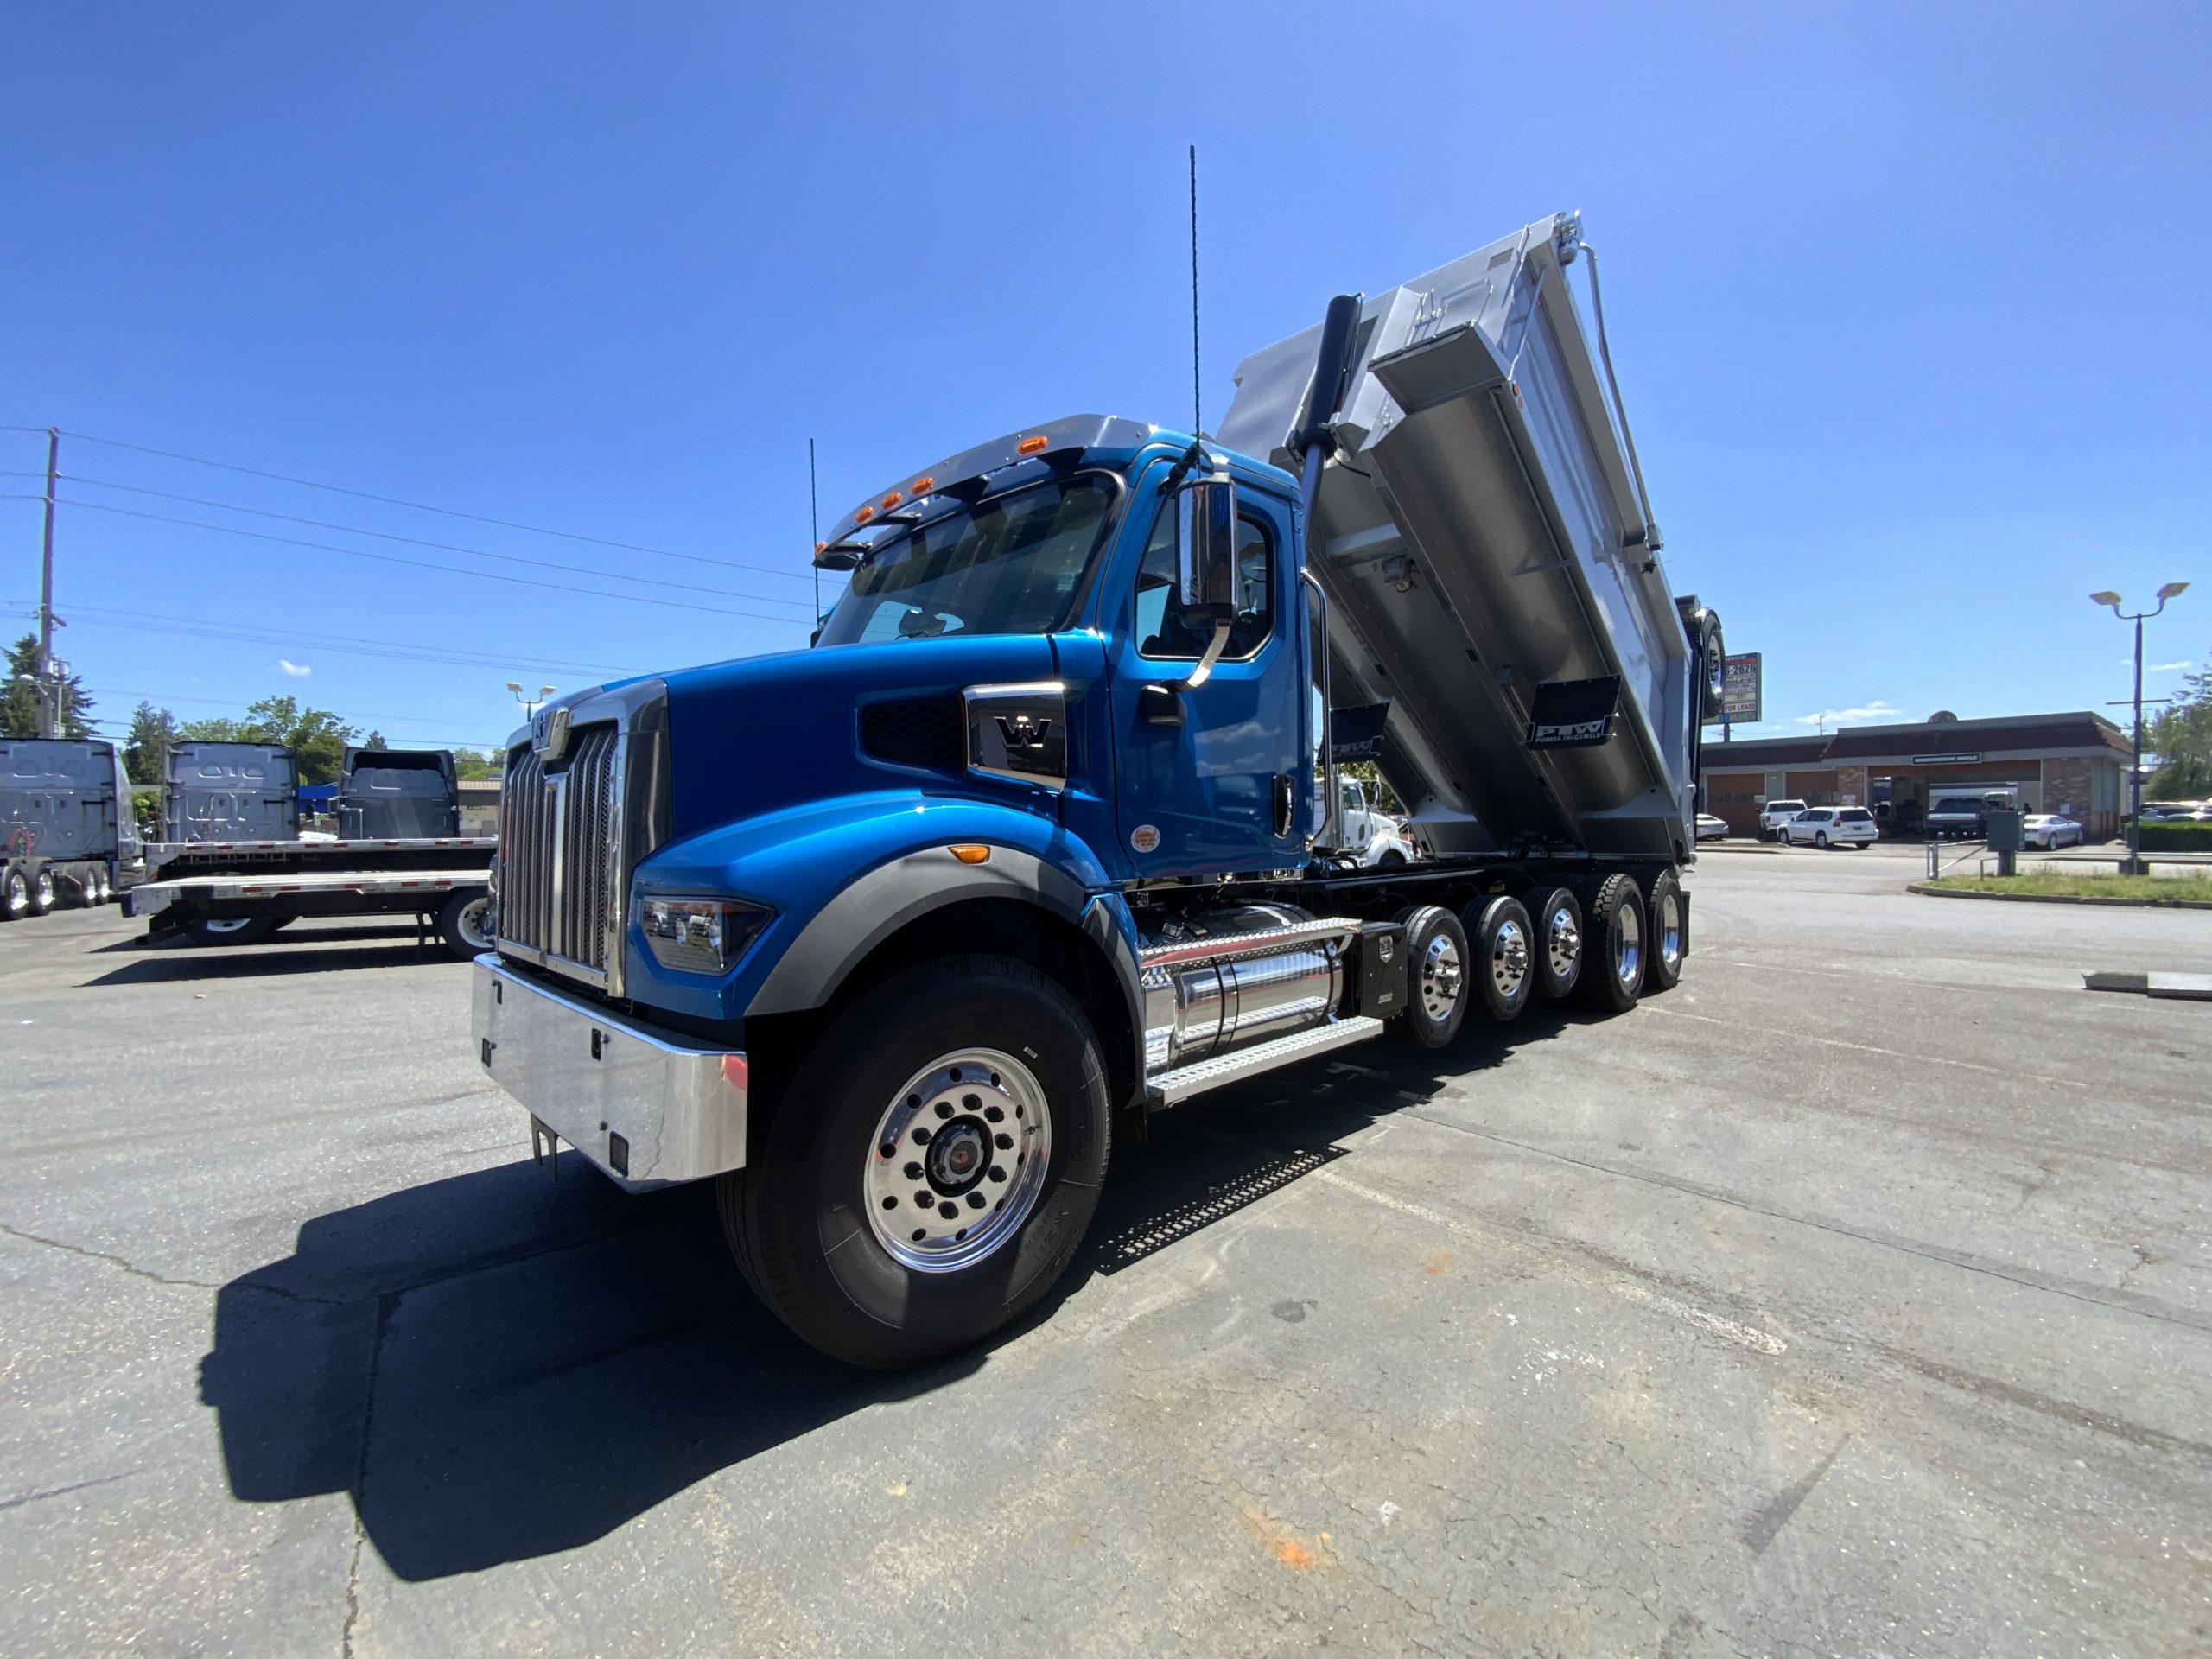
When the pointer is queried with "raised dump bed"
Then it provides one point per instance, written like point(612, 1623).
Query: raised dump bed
point(1484, 543)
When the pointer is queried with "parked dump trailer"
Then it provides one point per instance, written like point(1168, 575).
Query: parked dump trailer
point(68, 836)
point(403, 856)
point(1042, 835)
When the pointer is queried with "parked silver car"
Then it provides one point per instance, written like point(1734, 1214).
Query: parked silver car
point(1711, 828)
point(2050, 831)
point(1831, 826)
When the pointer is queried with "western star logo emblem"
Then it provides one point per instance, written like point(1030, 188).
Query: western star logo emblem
point(549, 733)
point(1023, 731)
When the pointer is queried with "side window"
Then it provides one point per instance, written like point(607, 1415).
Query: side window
point(1162, 631)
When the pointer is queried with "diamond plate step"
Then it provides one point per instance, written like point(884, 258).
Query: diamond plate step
point(1186, 1081)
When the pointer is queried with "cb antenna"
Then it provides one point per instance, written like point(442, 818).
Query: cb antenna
point(814, 518)
point(1197, 403)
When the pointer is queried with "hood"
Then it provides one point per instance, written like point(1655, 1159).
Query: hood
point(765, 732)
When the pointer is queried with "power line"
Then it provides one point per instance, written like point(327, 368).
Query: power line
point(144, 622)
point(163, 700)
point(411, 541)
point(415, 506)
point(418, 564)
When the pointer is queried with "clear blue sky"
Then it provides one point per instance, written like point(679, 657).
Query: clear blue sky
point(1909, 304)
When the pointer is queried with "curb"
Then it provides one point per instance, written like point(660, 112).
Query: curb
point(1926, 891)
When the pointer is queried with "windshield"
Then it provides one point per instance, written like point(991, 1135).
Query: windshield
point(1010, 564)
point(1952, 804)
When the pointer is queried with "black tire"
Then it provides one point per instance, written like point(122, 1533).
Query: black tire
point(1668, 935)
point(15, 895)
point(1436, 975)
point(72, 893)
point(243, 930)
point(1501, 962)
point(1556, 918)
point(1820, 839)
point(42, 897)
point(798, 1218)
point(461, 923)
point(1613, 939)
point(1390, 860)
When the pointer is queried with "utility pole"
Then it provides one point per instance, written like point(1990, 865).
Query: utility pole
point(49, 694)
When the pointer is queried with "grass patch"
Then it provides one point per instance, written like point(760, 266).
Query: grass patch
point(2060, 884)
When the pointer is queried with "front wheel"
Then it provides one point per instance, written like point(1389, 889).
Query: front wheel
point(931, 1167)
point(1390, 860)
point(1820, 839)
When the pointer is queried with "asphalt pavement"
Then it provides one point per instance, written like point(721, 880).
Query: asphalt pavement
point(1853, 1298)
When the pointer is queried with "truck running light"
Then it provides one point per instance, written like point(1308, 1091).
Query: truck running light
point(863, 515)
point(1032, 445)
point(971, 854)
point(700, 936)
point(891, 500)
point(921, 487)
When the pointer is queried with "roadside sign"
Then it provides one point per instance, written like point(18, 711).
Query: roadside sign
point(1741, 683)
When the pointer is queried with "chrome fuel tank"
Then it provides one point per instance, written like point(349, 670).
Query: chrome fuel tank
point(1222, 979)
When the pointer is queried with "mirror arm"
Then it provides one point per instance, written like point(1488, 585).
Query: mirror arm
point(1214, 648)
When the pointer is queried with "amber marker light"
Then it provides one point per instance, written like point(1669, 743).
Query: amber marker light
point(971, 854)
point(1030, 446)
point(921, 487)
point(818, 546)
point(863, 515)
point(891, 500)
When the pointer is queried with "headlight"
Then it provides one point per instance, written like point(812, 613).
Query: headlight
point(700, 936)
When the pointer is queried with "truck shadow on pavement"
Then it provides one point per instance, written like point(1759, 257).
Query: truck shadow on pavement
point(498, 1366)
point(295, 951)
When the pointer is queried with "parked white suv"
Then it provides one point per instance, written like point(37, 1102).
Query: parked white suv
point(1831, 826)
point(1774, 814)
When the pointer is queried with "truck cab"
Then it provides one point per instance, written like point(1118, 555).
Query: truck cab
point(891, 937)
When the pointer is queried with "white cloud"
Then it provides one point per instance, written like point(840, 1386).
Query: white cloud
point(2165, 667)
point(1877, 713)
point(297, 671)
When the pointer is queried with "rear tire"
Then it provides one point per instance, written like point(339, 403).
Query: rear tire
point(1390, 860)
point(1613, 972)
point(824, 1224)
point(234, 929)
point(1501, 961)
point(15, 895)
point(1436, 975)
point(1669, 938)
point(461, 924)
point(1556, 917)
point(42, 893)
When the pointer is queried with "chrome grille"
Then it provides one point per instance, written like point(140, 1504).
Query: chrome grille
point(561, 881)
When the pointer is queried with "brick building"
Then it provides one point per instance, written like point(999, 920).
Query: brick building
point(2075, 764)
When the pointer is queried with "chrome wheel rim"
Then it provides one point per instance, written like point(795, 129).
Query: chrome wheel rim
point(1628, 962)
point(1562, 942)
point(959, 1161)
point(1670, 929)
point(1509, 960)
point(1441, 972)
point(226, 923)
point(471, 923)
point(43, 890)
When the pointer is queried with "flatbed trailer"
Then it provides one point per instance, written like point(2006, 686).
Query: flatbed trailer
point(241, 891)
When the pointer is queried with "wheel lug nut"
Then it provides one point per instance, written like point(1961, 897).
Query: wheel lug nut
point(921, 1137)
point(926, 1198)
point(997, 1174)
point(945, 1108)
point(976, 1200)
point(995, 1114)
point(1002, 1141)
point(972, 1103)
point(948, 1210)
point(913, 1172)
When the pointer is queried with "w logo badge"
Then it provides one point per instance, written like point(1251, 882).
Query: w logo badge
point(1023, 731)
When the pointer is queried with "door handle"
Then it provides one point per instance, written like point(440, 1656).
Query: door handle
point(1286, 804)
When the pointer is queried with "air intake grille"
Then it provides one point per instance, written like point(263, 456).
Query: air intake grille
point(560, 833)
point(925, 731)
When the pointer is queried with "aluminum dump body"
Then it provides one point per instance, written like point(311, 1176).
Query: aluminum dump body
point(66, 798)
point(1489, 561)
point(397, 793)
point(230, 791)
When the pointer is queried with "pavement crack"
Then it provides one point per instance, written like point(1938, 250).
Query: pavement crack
point(134, 1271)
point(385, 1305)
point(62, 1492)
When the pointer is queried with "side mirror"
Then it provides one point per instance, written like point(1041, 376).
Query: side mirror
point(1205, 550)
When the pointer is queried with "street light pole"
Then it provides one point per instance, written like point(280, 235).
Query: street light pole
point(529, 704)
point(2172, 590)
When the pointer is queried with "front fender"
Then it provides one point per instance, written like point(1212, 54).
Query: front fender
point(842, 876)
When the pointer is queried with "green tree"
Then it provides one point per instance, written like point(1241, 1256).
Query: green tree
point(375, 741)
point(2181, 738)
point(146, 751)
point(473, 763)
point(19, 698)
point(316, 737)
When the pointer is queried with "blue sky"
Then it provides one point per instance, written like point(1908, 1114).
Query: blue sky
point(1907, 303)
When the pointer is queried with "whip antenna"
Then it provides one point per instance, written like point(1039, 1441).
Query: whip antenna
point(1198, 404)
point(814, 518)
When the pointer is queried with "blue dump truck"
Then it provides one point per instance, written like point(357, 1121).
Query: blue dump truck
point(891, 937)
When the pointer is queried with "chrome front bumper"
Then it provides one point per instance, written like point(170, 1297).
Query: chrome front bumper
point(650, 1110)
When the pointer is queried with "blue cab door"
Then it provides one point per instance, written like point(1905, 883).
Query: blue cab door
point(1208, 797)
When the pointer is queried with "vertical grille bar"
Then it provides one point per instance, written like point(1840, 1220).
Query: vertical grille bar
point(559, 874)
